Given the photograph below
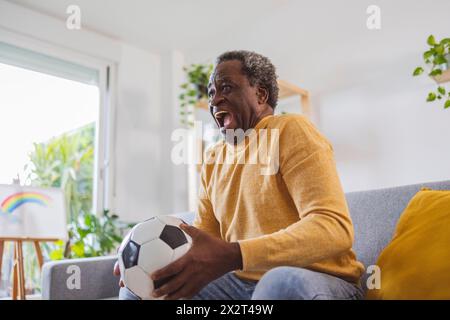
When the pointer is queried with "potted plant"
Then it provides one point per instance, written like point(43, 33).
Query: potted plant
point(194, 90)
point(437, 58)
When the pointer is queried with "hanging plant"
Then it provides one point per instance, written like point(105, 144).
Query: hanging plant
point(437, 58)
point(194, 90)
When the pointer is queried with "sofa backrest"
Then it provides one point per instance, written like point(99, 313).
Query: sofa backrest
point(375, 214)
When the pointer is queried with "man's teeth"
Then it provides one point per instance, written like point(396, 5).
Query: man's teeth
point(220, 114)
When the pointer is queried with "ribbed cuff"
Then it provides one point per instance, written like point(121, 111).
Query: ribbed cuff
point(255, 253)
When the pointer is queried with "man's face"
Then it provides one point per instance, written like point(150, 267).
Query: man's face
point(233, 102)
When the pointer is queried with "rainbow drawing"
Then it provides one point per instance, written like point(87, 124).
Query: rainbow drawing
point(15, 200)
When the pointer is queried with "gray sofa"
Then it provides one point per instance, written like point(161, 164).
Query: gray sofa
point(374, 213)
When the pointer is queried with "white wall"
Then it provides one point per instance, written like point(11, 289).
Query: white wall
point(174, 181)
point(383, 132)
point(138, 138)
point(364, 97)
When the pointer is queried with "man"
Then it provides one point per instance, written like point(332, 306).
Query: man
point(282, 235)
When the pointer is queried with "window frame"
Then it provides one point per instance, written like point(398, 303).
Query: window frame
point(103, 180)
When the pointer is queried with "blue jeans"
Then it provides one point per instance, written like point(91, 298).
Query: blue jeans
point(281, 283)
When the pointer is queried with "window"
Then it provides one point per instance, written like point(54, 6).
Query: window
point(52, 132)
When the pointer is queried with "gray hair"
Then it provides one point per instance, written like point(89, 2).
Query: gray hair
point(258, 69)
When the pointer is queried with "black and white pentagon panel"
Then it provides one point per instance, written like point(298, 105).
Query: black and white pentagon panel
point(173, 236)
point(179, 246)
point(130, 254)
point(120, 251)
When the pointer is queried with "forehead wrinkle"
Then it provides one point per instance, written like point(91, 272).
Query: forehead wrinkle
point(219, 74)
point(218, 78)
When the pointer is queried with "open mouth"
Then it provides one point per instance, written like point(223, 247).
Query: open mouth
point(223, 118)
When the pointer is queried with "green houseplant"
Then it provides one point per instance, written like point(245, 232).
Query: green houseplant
point(90, 236)
point(67, 162)
point(437, 59)
point(193, 90)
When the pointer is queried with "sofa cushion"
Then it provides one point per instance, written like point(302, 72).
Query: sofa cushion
point(375, 214)
point(416, 263)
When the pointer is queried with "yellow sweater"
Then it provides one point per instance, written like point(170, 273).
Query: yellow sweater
point(296, 217)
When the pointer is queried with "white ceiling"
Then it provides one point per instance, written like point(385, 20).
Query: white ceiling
point(159, 25)
point(318, 44)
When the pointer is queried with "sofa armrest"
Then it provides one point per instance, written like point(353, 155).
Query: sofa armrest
point(85, 279)
point(80, 279)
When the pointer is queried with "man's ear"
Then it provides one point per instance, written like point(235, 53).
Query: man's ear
point(262, 94)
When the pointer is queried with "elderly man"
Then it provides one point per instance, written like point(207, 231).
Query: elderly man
point(285, 235)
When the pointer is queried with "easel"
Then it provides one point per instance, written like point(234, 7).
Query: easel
point(18, 289)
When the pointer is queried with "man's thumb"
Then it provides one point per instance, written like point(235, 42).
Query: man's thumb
point(190, 230)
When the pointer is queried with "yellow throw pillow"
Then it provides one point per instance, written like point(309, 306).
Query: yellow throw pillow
point(416, 263)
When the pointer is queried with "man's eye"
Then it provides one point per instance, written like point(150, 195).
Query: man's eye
point(210, 94)
point(226, 88)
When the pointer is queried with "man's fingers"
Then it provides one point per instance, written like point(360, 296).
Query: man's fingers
point(169, 270)
point(173, 284)
point(116, 269)
point(190, 230)
point(116, 272)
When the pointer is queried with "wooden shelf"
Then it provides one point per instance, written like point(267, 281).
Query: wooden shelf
point(202, 104)
point(286, 90)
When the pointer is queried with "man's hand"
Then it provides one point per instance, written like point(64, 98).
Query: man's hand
point(116, 272)
point(208, 259)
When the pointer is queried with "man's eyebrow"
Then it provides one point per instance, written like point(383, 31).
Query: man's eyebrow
point(225, 78)
point(222, 79)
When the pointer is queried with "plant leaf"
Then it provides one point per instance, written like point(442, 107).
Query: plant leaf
point(440, 49)
point(431, 41)
point(56, 254)
point(441, 90)
point(439, 59)
point(447, 104)
point(78, 249)
point(445, 41)
point(427, 54)
point(435, 72)
point(431, 97)
point(418, 71)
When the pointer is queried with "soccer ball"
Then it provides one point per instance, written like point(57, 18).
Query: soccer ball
point(149, 246)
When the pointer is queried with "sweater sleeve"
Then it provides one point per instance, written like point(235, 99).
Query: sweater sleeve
point(205, 219)
point(324, 228)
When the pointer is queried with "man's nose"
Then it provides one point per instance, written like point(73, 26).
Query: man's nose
point(215, 100)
